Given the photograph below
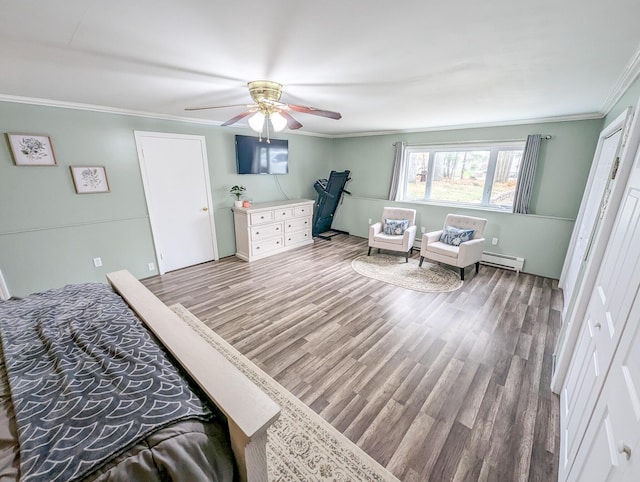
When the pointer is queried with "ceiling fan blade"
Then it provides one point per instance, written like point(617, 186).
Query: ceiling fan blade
point(235, 119)
point(312, 110)
point(291, 122)
point(218, 106)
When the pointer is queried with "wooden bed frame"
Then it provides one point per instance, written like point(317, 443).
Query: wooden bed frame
point(248, 409)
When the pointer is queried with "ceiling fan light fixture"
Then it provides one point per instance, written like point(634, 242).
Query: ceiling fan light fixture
point(256, 121)
point(277, 121)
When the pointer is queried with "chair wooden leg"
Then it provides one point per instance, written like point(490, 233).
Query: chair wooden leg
point(462, 274)
point(406, 257)
point(421, 260)
point(369, 253)
point(378, 250)
point(477, 267)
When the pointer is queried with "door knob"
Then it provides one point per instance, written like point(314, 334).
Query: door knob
point(623, 448)
point(205, 208)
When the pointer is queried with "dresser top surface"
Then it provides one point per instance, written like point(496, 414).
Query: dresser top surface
point(273, 205)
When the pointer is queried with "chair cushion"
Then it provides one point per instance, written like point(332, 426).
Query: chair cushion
point(389, 238)
point(443, 249)
point(395, 227)
point(454, 236)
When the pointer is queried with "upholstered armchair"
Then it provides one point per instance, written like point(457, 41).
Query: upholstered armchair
point(395, 232)
point(455, 244)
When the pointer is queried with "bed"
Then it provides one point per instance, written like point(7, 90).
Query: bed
point(90, 391)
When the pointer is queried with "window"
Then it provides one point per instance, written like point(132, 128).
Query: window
point(478, 174)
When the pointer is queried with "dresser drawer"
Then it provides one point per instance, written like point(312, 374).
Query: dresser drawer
point(296, 224)
point(266, 245)
point(297, 237)
point(284, 213)
point(303, 211)
point(262, 217)
point(266, 231)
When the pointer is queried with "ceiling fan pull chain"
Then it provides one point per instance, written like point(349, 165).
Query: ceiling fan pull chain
point(267, 122)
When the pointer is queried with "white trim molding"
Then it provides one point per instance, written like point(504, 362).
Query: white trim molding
point(628, 77)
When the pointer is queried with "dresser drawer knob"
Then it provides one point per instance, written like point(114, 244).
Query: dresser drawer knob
point(257, 232)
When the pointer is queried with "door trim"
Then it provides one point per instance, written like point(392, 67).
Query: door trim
point(139, 135)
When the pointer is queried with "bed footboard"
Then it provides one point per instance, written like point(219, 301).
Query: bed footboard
point(249, 411)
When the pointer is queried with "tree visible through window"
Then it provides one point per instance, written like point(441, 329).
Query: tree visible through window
point(483, 175)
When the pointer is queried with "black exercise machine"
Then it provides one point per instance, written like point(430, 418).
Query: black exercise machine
point(329, 196)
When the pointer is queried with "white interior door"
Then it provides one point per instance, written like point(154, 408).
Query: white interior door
point(611, 451)
point(585, 229)
point(593, 203)
point(608, 313)
point(175, 175)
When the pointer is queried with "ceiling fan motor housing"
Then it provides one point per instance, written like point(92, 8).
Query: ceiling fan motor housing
point(265, 90)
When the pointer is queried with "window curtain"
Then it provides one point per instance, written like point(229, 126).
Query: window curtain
point(527, 174)
point(396, 189)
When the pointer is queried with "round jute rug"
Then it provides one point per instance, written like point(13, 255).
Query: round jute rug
point(394, 270)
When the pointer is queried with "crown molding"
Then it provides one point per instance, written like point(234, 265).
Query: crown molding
point(134, 113)
point(540, 120)
point(152, 115)
point(628, 77)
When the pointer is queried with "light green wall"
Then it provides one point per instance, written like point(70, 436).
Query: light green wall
point(541, 239)
point(629, 99)
point(49, 235)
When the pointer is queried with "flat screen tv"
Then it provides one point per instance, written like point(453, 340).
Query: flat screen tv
point(254, 156)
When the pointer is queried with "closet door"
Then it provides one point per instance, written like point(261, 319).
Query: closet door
point(610, 450)
point(612, 310)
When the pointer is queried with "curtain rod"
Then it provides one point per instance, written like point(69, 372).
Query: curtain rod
point(544, 137)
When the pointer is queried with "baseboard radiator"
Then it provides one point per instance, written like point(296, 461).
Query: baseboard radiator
point(504, 261)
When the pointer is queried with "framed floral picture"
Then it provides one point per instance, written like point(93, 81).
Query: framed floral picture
point(89, 179)
point(31, 150)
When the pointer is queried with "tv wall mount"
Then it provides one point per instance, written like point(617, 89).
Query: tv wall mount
point(329, 196)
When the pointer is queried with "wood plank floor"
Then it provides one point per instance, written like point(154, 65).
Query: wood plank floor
point(438, 387)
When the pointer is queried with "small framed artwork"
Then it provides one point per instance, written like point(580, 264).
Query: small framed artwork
point(89, 179)
point(31, 150)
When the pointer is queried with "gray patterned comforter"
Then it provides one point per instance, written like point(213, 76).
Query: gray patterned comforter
point(86, 379)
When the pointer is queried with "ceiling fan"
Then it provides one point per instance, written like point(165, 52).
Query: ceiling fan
point(268, 112)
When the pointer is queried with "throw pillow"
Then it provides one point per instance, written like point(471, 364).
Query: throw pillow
point(395, 227)
point(454, 236)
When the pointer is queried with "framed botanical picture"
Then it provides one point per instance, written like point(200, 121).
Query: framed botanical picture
point(31, 150)
point(89, 179)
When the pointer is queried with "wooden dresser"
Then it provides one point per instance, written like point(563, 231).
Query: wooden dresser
point(268, 228)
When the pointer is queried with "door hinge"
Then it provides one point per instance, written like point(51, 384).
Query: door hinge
point(616, 165)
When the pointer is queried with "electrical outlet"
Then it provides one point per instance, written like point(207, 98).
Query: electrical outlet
point(369, 220)
point(494, 241)
point(152, 267)
point(422, 229)
point(97, 262)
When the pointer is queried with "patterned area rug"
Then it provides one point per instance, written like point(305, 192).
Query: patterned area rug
point(301, 445)
point(394, 270)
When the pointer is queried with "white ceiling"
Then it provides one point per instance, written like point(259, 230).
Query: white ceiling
point(386, 66)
